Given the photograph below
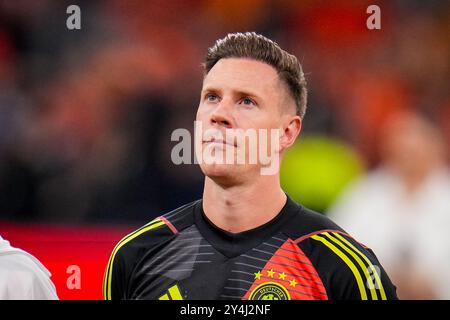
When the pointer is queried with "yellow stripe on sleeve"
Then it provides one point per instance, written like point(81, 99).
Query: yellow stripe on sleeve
point(108, 273)
point(377, 276)
point(369, 280)
point(108, 266)
point(348, 262)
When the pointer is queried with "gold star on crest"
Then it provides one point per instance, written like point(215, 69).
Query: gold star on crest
point(258, 275)
point(270, 273)
point(282, 276)
point(293, 283)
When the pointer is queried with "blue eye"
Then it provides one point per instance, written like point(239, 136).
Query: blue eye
point(247, 102)
point(211, 97)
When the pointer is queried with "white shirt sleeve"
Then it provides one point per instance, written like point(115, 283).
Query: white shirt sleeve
point(22, 276)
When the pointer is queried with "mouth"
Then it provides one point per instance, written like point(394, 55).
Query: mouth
point(220, 142)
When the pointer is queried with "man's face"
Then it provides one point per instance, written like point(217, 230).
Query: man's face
point(237, 95)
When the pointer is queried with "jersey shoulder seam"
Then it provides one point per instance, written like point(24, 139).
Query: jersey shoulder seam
point(318, 232)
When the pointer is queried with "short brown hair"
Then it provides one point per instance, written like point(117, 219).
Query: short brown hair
point(255, 46)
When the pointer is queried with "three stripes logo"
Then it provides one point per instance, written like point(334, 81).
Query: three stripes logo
point(173, 293)
point(366, 274)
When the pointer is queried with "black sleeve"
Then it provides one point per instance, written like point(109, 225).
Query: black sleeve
point(116, 275)
point(348, 270)
point(118, 279)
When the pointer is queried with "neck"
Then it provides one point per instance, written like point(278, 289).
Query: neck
point(243, 207)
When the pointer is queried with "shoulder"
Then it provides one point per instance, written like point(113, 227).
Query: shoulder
point(158, 230)
point(22, 276)
point(316, 234)
point(20, 259)
point(305, 222)
point(348, 268)
point(129, 250)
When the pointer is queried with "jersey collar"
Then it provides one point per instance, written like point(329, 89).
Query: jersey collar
point(234, 244)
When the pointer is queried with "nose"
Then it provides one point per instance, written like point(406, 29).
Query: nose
point(222, 115)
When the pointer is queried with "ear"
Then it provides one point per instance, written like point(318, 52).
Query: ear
point(290, 131)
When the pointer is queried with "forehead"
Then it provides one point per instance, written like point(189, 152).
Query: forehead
point(242, 74)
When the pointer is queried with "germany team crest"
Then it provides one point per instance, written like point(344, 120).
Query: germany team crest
point(269, 291)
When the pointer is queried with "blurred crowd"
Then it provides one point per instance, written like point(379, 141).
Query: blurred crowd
point(86, 115)
point(401, 208)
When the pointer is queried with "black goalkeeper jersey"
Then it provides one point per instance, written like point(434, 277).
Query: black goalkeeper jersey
point(299, 254)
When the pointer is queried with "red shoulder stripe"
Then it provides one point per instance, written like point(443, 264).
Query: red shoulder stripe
point(169, 224)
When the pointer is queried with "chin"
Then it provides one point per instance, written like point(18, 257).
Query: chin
point(218, 170)
point(227, 174)
point(223, 174)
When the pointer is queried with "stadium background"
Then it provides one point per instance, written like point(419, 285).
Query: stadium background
point(86, 115)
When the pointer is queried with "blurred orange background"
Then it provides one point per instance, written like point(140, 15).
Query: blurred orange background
point(86, 115)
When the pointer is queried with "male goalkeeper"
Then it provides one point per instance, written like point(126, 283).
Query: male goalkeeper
point(245, 239)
